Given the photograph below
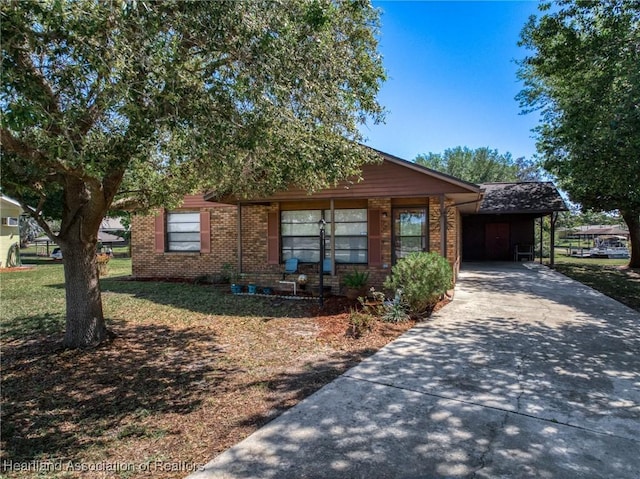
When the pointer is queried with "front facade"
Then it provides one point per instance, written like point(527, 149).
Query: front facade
point(398, 208)
point(10, 211)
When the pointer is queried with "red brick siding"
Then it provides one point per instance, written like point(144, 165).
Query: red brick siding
point(255, 266)
point(147, 263)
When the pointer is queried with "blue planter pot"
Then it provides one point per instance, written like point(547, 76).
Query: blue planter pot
point(253, 289)
point(267, 290)
point(236, 288)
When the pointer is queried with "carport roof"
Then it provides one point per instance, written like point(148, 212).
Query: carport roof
point(531, 197)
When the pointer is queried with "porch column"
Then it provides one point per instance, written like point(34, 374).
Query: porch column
point(552, 239)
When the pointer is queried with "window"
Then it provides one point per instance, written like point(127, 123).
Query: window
point(350, 231)
point(300, 235)
point(409, 232)
point(183, 231)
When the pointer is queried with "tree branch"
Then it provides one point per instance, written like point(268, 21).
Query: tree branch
point(20, 148)
point(51, 105)
point(130, 203)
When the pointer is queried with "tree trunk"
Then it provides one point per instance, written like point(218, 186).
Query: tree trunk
point(85, 324)
point(632, 218)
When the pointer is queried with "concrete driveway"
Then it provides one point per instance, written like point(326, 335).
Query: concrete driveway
point(525, 374)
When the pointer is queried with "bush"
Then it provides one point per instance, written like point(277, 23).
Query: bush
point(360, 323)
point(422, 279)
point(356, 279)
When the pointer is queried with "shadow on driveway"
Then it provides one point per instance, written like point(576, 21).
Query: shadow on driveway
point(526, 373)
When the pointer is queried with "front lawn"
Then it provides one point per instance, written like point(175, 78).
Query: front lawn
point(192, 371)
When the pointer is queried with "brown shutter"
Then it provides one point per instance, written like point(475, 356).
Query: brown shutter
point(273, 243)
point(159, 232)
point(375, 238)
point(205, 231)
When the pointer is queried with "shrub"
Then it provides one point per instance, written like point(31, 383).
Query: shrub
point(422, 279)
point(228, 273)
point(360, 323)
point(395, 311)
point(356, 279)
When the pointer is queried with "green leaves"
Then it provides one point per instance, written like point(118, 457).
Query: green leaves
point(584, 77)
point(187, 96)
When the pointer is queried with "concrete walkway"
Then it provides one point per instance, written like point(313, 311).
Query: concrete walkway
point(525, 374)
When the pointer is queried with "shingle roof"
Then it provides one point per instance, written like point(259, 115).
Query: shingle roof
point(526, 197)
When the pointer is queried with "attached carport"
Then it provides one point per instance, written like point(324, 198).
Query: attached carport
point(503, 227)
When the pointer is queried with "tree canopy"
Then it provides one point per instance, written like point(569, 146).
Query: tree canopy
point(132, 104)
point(482, 165)
point(583, 76)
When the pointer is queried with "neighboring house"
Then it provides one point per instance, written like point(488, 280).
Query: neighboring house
point(594, 231)
point(111, 233)
point(399, 207)
point(10, 211)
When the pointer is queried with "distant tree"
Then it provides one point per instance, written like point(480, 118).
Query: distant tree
point(29, 230)
point(583, 76)
point(112, 105)
point(481, 165)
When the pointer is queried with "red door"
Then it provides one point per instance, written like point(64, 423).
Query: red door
point(497, 241)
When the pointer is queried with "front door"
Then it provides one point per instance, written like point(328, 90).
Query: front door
point(409, 231)
point(497, 241)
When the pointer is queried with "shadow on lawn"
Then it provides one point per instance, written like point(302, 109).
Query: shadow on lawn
point(56, 402)
point(206, 299)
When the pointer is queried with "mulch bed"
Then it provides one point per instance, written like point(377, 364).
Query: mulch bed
point(170, 394)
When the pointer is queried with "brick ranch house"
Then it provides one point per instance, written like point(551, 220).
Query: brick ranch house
point(399, 207)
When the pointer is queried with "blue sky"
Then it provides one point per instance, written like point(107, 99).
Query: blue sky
point(452, 77)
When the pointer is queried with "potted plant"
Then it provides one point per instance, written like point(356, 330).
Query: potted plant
point(355, 283)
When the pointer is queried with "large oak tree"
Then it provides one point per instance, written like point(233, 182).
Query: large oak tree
point(583, 75)
point(111, 105)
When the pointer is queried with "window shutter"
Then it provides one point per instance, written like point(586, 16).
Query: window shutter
point(273, 243)
point(205, 231)
point(159, 232)
point(375, 238)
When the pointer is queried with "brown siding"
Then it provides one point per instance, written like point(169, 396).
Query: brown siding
point(382, 180)
point(195, 202)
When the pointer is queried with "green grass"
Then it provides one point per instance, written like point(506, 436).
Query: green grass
point(609, 276)
point(33, 301)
